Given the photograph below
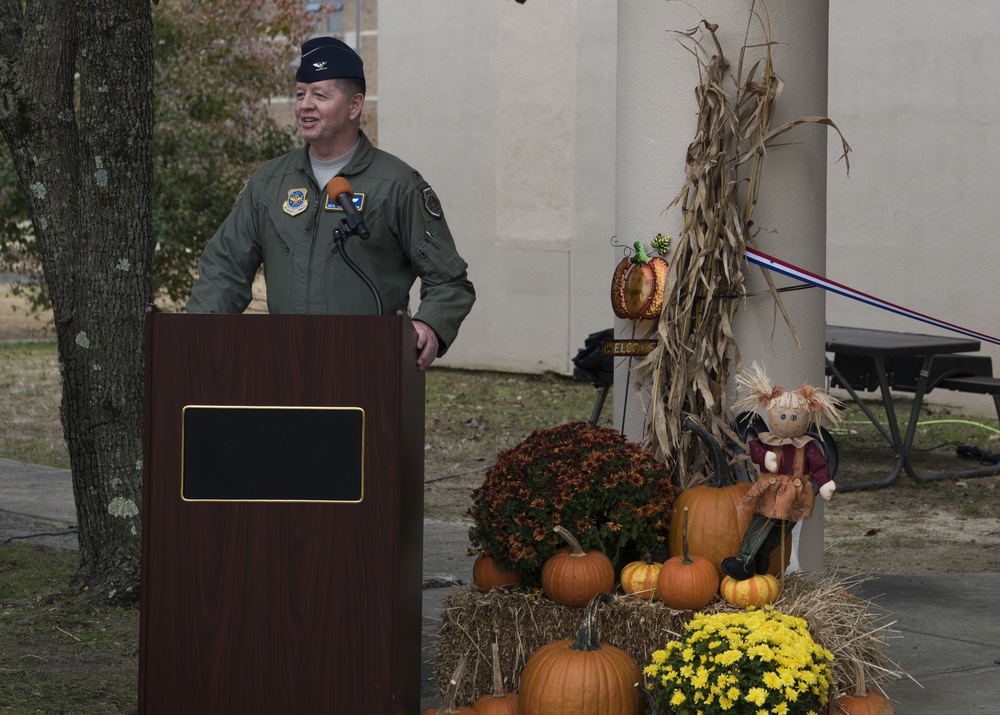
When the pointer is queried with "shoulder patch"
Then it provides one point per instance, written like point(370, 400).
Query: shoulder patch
point(431, 203)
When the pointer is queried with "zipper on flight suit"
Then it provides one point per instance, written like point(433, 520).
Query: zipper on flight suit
point(314, 221)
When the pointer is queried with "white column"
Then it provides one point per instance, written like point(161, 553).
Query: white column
point(656, 122)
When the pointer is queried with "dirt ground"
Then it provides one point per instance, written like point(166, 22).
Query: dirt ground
point(16, 323)
point(949, 526)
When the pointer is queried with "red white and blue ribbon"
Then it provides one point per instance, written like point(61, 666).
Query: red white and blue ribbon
point(787, 269)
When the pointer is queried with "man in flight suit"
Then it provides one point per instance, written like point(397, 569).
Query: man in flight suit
point(283, 220)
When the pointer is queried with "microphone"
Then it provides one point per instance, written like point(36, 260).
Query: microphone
point(339, 189)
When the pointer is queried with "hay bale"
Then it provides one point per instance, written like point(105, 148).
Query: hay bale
point(522, 621)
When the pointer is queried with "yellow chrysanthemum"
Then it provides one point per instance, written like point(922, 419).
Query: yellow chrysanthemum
point(772, 681)
point(726, 663)
point(757, 696)
point(728, 657)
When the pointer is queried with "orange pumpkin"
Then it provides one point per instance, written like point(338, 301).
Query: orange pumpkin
point(637, 286)
point(448, 706)
point(863, 701)
point(572, 576)
point(582, 677)
point(487, 573)
point(718, 521)
point(758, 590)
point(638, 578)
point(499, 702)
point(687, 583)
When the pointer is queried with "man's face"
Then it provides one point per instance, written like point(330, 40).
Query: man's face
point(325, 114)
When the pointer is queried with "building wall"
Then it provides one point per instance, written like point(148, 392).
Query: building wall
point(914, 224)
point(508, 110)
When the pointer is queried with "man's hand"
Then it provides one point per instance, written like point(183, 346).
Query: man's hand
point(771, 461)
point(427, 345)
point(826, 491)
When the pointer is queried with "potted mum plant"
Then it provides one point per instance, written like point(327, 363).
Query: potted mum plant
point(743, 663)
point(590, 480)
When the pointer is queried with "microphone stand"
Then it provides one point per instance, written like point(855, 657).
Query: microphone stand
point(339, 234)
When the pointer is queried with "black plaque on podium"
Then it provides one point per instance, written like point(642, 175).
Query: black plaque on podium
point(273, 454)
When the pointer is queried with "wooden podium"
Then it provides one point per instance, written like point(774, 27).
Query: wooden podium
point(282, 540)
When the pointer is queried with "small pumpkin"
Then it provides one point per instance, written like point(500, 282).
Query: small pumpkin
point(718, 519)
point(572, 576)
point(639, 578)
point(487, 574)
point(637, 285)
point(758, 590)
point(687, 583)
point(582, 677)
point(863, 701)
point(448, 706)
point(499, 702)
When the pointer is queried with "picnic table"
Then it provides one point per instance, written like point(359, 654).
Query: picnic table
point(881, 346)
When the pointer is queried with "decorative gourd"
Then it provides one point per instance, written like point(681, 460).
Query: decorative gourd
point(687, 583)
point(758, 590)
point(863, 701)
point(487, 574)
point(499, 702)
point(448, 706)
point(572, 576)
point(718, 522)
point(637, 285)
point(639, 578)
point(582, 677)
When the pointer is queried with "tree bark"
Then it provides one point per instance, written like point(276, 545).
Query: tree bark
point(83, 155)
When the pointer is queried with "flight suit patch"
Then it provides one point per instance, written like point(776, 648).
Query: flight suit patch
point(296, 202)
point(431, 203)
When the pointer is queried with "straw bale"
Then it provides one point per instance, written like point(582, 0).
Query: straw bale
point(853, 629)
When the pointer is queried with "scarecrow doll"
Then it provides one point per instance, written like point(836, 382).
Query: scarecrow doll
point(792, 466)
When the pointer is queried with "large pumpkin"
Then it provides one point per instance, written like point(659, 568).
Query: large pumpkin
point(572, 576)
point(487, 574)
point(758, 590)
point(863, 701)
point(499, 702)
point(686, 582)
point(718, 521)
point(580, 678)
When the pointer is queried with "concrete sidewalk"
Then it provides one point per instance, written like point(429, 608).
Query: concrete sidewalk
point(948, 625)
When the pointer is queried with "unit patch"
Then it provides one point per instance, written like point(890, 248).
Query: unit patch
point(296, 202)
point(431, 202)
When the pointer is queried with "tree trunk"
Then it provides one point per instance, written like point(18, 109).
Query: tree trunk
point(87, 171)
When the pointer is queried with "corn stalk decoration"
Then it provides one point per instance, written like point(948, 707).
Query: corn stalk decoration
point(687, 373)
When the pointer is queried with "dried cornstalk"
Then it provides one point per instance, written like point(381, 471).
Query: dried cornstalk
point(688, 372)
